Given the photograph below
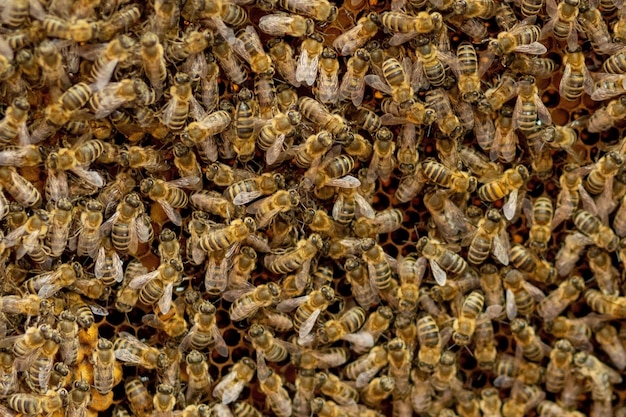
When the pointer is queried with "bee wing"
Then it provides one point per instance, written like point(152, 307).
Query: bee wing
point(348, 42)
point(365, 377)
point(563, 210)
point(377, 83)
point(274, 151)
point(90, 177)
point(589, 203)
point(291, 304)
point(604, 203)
point(338, 206)
point(307, 67)
point(235, 293)
point(344, 182)
point(56, 185)
point(11, 239)
point(98, 310)
point(141, 280)
point(389, 119)
point(246, 197)
point(400, 38)
point(302, 277)
point(278, 24)
point(184, 182)
point(438, 273)
point(542, 111)
point(307, 326)
point(362, 339)
point(13, 157)
point(166, 299)
point(327, 86)
point(398, 5)
point(600, 93)
point(511, 307)
point(510, 206)
point(534, 48)
point(501, 247)
point(567, 74)
point(48, 290)
point(172, 214)
point(357, 94)
point(534, 292)
point(220, 344)
point(365, 209)
point(517, 112)
point(216, 278)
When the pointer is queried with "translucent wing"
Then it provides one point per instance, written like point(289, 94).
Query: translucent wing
point(220, 344)
point(377, 83)
point(511, 307)
point(246, 197)
point(344, 182)
point(291, 304)
point(141, 280)
point(510, 206)
point(166, 299)
point(172, 214)
point(90, 177)
point(307, 67)
point(307, 326)
point(438, 273)
point(534, 48)
point(278, 24)
point(501, 249)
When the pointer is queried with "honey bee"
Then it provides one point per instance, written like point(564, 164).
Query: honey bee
point(249, 47)
point(383, 162)
point(558, 300)
point(457, 181)
point(349, 41)
point(231, 385)
point(444, 376)
point(204, 332)
point(491, 284)
point(49, 402)
point(345, 327)
point(107, 372)
point(14, 124)
point(336, 389)
point(116, 52)
point(249, 189)
point(429, 65)
point(610, 343)
point(180, 104)
point(377, 390)
point(50, 60)
point(201, 131)
point(118, 22)
point(600, 376)
point(490, 236)
point(283, 56)
point(353, 82)
point(164, 400)
point(228, 61)
point(505, 141)
point(248, 303)
point(594, 26)
point(285, 24)
point(139, 398)
point(172, 323)
point(529, 108)
point(23, 191)
point(127, 226)
point(308, 61)
point(308, 310)
point(607, 116)
point(266, 344)
point(132, 351)
point(531, 345)
point(521, 38)
point(319, 114)
point(272, 135)
point(549, 409)
point(378, 267)
point(385, 221)
point(242, 409)
point(470, 316)
point(49, 283)
point(357, 276)
point(29, 237)
point(153, 60)
point(430, 340)
point(228, 236)
point(320, 10)
point(576, 78)
point(366, 366)
point(441, 260)
point(406, 27)
point(602, 236)
point(199, 378)
point(520, 294)
point(156, 287)
point(509, 183)
point(79, 397)
point(168, 194)
point(603, 271)
point(498, 96)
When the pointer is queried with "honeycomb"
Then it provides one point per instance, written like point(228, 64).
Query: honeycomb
point(90, 120)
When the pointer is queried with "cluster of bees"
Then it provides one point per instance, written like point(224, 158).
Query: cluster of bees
point(305, 207)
